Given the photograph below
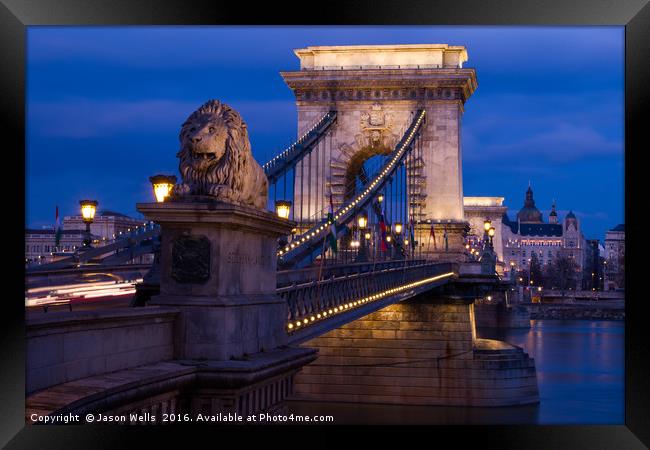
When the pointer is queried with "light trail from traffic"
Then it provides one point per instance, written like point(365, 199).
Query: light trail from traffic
point(78, 292)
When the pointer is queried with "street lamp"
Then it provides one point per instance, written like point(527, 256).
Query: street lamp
point(162, 186)
point(487, 224)
point(362, 220)
point(380, 198)
point(88, 208)
point(491, 233)
point(398, 228)
point(283, 208)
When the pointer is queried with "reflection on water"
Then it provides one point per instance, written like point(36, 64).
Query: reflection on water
point(580, 368)
point(580, 373)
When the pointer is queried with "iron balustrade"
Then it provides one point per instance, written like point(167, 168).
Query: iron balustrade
point(385, 67)
point(317, 300)
point(287, 159)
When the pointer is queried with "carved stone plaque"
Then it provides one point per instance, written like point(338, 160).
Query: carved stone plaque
point(191, 259)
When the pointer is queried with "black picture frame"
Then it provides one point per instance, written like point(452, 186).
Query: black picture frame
point(16, 15)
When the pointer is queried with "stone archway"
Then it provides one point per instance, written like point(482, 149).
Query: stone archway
point(350, 157)
point(355, 165)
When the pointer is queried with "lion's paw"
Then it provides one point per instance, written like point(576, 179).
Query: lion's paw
point(181, 189)
point(221, 191)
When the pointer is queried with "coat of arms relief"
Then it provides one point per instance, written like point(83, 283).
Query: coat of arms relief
point(375, 126)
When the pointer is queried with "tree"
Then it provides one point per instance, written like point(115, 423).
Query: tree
point(536, 275)
point(561, 273)
point(620, 274)
point(550, 276)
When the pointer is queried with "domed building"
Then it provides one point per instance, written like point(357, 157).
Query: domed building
point(529, 213)
point(529, 235)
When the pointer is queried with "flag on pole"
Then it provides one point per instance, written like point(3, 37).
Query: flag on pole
point(412, 233)
point(57, 235)
point(382, 231)
point(332, 235)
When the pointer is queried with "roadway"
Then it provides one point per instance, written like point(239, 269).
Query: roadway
point(108, 302)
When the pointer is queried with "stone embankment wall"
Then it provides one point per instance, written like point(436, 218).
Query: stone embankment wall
point(577, 311)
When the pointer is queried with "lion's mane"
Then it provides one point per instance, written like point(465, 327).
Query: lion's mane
point(235, 169)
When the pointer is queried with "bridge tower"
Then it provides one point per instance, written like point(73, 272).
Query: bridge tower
point(376, 90)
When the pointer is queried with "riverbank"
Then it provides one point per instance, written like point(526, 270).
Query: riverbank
point(602, 310)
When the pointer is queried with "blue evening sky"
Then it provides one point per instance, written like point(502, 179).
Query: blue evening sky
point(105, 104)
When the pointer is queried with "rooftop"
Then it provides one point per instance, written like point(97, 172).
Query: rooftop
point(381, 56)
point(483, 201)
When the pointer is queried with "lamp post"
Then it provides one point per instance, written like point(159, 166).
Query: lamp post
point(488, 257)
point(487, 224)
point(364, 236)
point(88, 209)
point(162, 186)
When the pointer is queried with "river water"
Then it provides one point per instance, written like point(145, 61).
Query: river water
point(580, 375)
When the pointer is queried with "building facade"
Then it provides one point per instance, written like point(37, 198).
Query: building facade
point(529, 236)
point(614, 265)
point(477, 210)
point(40, 244)
point(107, 224)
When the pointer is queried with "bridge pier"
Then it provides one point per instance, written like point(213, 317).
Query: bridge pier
point(423, 351)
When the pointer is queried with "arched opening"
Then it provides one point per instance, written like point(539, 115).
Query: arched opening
point(362, 167)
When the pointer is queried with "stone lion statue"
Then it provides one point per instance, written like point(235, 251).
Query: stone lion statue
point(216, 159)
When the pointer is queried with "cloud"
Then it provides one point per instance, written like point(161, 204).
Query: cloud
point(85, 118)
point(565, 142)
point(546, 126)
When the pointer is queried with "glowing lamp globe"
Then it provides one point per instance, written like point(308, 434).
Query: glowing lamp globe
point(162, 186)
point(88, 209)
point(283, 208)
point(487, 224)
point(362, 220)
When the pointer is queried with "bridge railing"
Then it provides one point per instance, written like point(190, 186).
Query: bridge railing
point(386, 66)
point(298, 276)
point(314, 301)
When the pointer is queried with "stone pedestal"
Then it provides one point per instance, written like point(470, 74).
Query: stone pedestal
point(218, 266)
